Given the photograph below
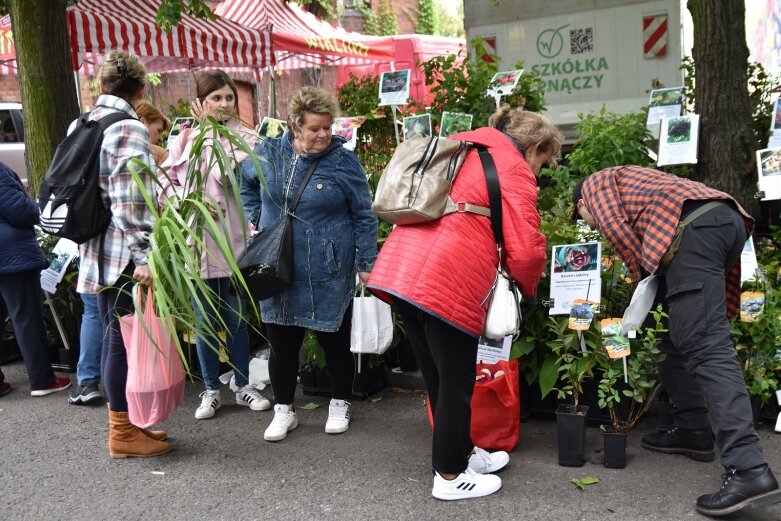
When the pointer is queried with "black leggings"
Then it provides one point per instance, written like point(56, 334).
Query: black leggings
point(113, 302)
point(283, 362)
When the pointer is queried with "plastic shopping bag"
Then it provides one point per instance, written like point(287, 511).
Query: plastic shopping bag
point(496, 407)
point(372, 327)
point(640, 305)
point(155, 373)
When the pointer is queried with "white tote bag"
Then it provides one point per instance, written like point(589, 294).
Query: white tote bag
point(504, 313)
point(372, 326)
point(640, 305)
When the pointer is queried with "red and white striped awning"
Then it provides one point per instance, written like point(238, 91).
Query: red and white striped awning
point(98, 26)
point(300, 39)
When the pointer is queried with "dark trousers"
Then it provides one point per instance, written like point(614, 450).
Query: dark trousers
point(113, 302)
point(446, 357)
point(21, 293)
point(701, 372)
point(283, 361)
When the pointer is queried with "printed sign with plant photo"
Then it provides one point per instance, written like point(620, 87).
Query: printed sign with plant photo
point(503, 83)
point(454, 122)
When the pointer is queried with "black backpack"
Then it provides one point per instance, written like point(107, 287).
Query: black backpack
point(69, 197)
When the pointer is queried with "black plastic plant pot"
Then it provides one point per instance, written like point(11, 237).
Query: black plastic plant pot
point(571, 434)
point(615, 449)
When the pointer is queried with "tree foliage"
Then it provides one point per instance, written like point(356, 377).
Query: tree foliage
point(427, 18)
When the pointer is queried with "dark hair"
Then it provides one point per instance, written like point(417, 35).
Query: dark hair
point(209, 81)
point(122, 74)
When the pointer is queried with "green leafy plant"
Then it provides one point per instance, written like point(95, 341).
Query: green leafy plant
point(608, 139)
point(640, 381)
point(758, 353)
point(181, 225)
point(571, 360)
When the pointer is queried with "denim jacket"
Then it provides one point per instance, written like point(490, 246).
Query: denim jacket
point(334, 228)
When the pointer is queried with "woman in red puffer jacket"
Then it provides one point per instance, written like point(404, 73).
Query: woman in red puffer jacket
point(438, 274)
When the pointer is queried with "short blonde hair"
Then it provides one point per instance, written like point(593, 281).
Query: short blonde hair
point(313, 100)
point(122, 74)
point(528, 129)
point(145, 110)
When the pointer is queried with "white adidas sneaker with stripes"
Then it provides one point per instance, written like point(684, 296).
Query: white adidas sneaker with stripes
point(468, 484)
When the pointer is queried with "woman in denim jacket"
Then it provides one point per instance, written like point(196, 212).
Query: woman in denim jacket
point(334, 236)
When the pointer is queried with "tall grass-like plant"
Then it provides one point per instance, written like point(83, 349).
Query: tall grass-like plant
point(182, 222)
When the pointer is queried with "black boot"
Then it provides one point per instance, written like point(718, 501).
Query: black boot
point(755, 486)
point(695, 444)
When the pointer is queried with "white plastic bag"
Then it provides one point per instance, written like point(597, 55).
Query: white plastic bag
point(504, 313)
point(372, 326)
point(640, 305)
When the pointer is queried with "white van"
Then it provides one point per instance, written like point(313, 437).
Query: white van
point(12, 138)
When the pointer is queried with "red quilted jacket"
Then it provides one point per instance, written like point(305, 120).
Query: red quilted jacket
point(446, 267)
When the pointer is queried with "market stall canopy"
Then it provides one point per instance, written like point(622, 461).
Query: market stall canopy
point(300, 39)
point(98, 26)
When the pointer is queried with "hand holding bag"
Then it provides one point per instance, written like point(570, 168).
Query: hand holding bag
point(371, 331)
point(267, 262)
point(155, 373)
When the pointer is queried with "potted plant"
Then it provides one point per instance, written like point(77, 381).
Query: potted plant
point(756, 341)
point(570, 362)
point(625, 396)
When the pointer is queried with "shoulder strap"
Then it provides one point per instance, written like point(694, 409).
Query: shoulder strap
point(710, 205)
point(309, 172)
point(111, 118)
point(494, 194)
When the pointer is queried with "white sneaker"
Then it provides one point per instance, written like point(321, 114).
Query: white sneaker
point(285, 420)
point(338, 417)
point(249, 396)
point(466, 485)
point(210, 402)
point(484, 462)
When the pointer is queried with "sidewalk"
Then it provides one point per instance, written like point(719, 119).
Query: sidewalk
point(54, 465)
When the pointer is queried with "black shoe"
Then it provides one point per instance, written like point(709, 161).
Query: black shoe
point(88, 394)
point(695, 444)
point(755, 487)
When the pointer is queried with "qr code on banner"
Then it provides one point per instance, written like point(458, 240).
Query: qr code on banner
point(581, 40)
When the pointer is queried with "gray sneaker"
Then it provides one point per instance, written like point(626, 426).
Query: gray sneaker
point(87, 394)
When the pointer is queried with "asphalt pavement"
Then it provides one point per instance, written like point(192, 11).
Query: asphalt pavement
point(54, 465)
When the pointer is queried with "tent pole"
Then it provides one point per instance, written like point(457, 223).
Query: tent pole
point(272, 93)
point(78, 90)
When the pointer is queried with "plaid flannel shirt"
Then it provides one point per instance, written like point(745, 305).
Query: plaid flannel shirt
point(637, 210)
point(127, 235)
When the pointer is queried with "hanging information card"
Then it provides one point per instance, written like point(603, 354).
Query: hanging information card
point(575, 278)
point(678, 140)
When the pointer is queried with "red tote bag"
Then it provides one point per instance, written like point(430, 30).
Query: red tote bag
point(496, 408)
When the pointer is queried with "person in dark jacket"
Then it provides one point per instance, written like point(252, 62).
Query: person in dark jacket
point(637, 210)
point(439, 274)
point(21, 262)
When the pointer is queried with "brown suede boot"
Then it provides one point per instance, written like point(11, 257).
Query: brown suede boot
point(155, 435)
point(126, 440)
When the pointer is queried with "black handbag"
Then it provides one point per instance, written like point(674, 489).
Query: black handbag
point(267, 262)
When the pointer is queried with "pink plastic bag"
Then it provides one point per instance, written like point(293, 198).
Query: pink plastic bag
point(155, 373)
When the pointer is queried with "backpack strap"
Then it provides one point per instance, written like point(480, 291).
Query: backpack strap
point(111, 118)
point(104, 123)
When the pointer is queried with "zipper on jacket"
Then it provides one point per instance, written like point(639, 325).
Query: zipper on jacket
point(291, 175)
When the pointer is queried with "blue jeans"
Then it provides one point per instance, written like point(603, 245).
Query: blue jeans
point(90, 341)
point(231, 309)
